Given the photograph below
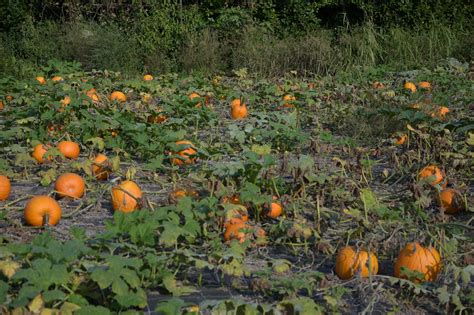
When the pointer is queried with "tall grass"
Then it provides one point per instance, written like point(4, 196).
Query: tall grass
point(318, 52)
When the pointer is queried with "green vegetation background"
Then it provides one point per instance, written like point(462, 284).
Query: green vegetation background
point(268, 37)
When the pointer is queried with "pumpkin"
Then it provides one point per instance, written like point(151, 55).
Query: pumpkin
point(349, 262)
point(402, 139)
point(289, 99)
point(415, 257)
point(180, 193)
point(440, 112)
point(425, 85)
point(118, 96)
point(148, 77)
point(451, 201)
point(66, 101)
point(410, 86)
point(433, 175)
point(126, 196)
point(41, 80)
point(2, 105)
point(238, 231)
point(235, 214)
point(5, 187)
point(238, 109)
point(194, 95)
point(56, 78)
point(69, 149)
point(70, 185)
point(39, 152)
point(275, 210)
point(92, 94)
point(42, 209)
point(185, 153)
point(378, 85)
point(101, 167)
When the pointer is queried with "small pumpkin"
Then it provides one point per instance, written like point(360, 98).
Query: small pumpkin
point(378, 85)
point(289, 99)
point(440, 112)
point(194, 95)
point(92, 94)
point(41, 80)
point(425, 85)
point(180, 193)
point(101, 167)
point(433, 174)
point(70, 185)
point(126, 196)
point(275, 210)
point(410, 86)
point(401, 139)
point(238, 109)
point(118, 96)
point(42, 209)
point(148, 77)
point(39, 152)
point(69, 149)
point(185, 153)
point(451, 201)
point(5, 187)
point(241, 231)
point(415, 257)
point(350, 262)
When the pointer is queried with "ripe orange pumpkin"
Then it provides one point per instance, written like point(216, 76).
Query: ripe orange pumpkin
point(101, 167)
point(402, 139)
point(349, 262)
point(40, 209)
point(5, 187)
point(275, 210)
point(236, 214)
point(424, 85)
point(185, 154)
point(180, 193)
point(237, 231)
point(66, 101)
point(238, 109)
point(194, 95)
point(41, 80)
point(126, 196)
point(70, 185)
point(289, 101)
point(56, 78)
point(433, 174)
point(39, 152)
point(410, 86)
point(415, 257)
point(451, 201)
point(378, 85)
point(92, 94)
point(148, 77)
point(440, 112)
point(118, 96)
point(69, 149)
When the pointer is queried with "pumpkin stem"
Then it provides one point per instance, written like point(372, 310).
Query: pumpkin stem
point(46, 220)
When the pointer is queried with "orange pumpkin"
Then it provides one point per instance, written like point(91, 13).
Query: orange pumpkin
point(238, 109)
point(451, 201)
point(349, 262)
point(180, 193)
point(425, 85)
point(2, 105)
point(194, 95)
point(40, 209)
point(410, 86)
point(118, 96)
point(56, 78)
point(70, 185)
point(289, 99)
point(126, 196)
point(378, 85)
point(237, 231)
point(69, 149)
point(432, 174)
point(440, 112)
point(92, 94)
point(5, 187)
point(39, 152)
point(148, 77)
point(185, 154)
point(101, 167)
point(402, 139)
point(41, 80)
point(415, 257)
point(236, 214)
point(275, 210)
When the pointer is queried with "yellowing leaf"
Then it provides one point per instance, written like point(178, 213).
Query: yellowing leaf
point(9, 268)
point(69, 308)
point(409, 127)
point(37, 304)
